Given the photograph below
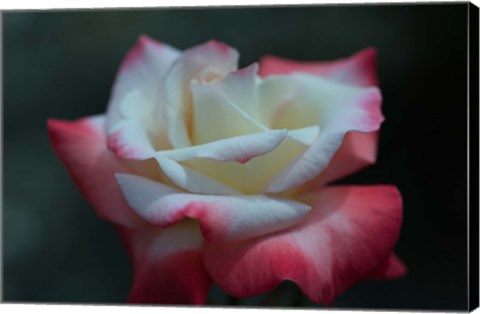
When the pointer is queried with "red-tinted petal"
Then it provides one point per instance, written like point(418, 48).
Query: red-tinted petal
point(358, 150)
point(359, 69)
point(222, 217)
point(168, 267)
point(347, 236)
point(393, 268)
point(81, 146)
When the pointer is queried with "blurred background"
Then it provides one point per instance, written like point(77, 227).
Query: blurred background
point(62, 64)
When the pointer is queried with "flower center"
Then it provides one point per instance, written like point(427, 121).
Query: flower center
point(210, 75)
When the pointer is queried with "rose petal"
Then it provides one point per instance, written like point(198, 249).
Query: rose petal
point(347, 235)
point(335, 107)
point(240, 148)
point(192, 180)
point(305, 135)
point(357, 151)
point(241, 88)
point(393, 268)
point(229, 105)
point(135, 122)
point(81, 146)
point(359, 69)
point(167, 264)
point(204, 63)
point(222, 218)
point(129, 137)
point(252, 176)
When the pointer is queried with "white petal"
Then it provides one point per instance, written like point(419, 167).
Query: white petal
point(128, 136)
point(135, 100)
point(337, 109)
point(239, 148)
point(305, 135)
point(226, 108)
point(215, 58)
point(222, 218)
point(191, 180)
point(251, 177)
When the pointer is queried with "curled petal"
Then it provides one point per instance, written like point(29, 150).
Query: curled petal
point(167, 265)
point(359, 69)
point(134, 121)
point(192, 180)
point(222, 218)
point(357, 151)
point(81, 146)
point(204, 63)
point(348, 234)
point(240, 148)
point(129, 137)
point(337, 109)
point(306, 135)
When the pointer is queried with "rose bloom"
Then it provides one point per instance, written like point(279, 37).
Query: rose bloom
point(214, 174)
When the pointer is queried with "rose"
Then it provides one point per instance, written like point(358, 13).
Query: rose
point(212, 173)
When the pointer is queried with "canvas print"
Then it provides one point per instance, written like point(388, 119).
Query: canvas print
point(294, 157)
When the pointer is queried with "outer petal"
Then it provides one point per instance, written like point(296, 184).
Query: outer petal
point(129, 137)
point(348, 234)
point(357, 151)
point(204, 64)
point(222, 218)
point(168, 267)
point(359, 69)
point(135, 121)
point(81, 146)
point(393, 268)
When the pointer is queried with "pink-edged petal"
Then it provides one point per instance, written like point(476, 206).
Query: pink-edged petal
point(348, 234)
point(393, 268)
point(222, 218)
point(239, 148)
point(203, 64)
point(81, 146)
point(167, 263)
point(337, 109)
point(357, 151)
point(142, 69)
point(129, 137)
point(134, 120)
point(191, 180)
point(359, 69)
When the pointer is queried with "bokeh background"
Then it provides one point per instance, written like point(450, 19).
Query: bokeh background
point(62, 64)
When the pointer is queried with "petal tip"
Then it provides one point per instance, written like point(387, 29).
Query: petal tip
point(54, 128)
point(218, 45)
point(369, 53)
point(247, 70)
point(372, 105)
point(135, 53)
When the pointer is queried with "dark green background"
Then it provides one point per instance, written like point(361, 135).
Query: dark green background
point(62, 65)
